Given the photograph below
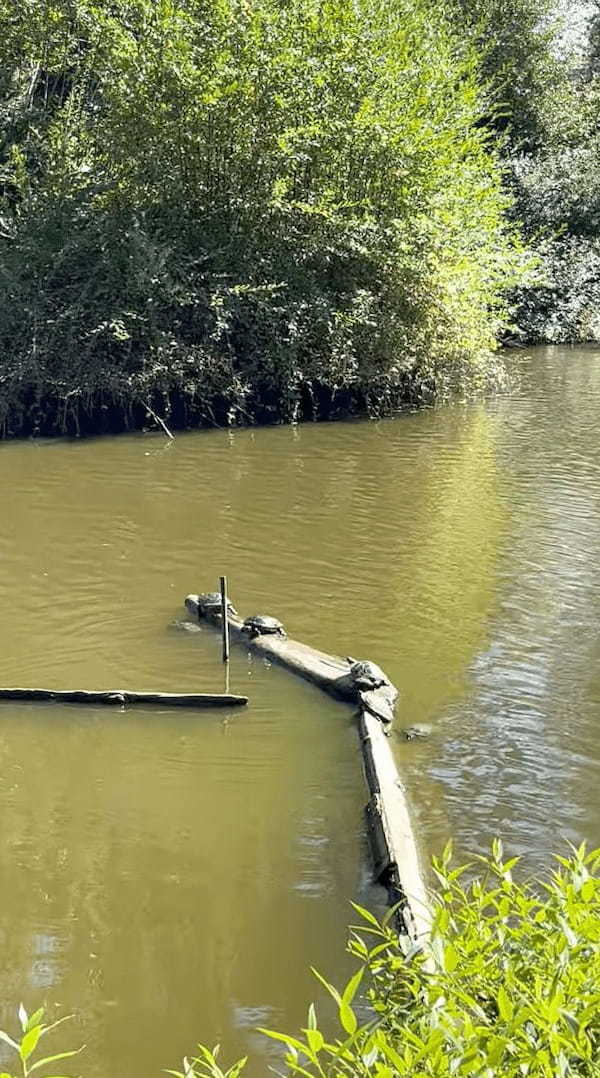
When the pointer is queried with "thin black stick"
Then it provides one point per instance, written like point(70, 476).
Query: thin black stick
point(158, 420)
point(124, 696)
point(224, 619)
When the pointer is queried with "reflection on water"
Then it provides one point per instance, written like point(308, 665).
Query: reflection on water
point(176, 875)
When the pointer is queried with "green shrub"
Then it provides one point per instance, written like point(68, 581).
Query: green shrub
point(528, 74)
point(558, 200)
point(563, 306)
point(508, 985)
point(237, 205)
point(26, 1045)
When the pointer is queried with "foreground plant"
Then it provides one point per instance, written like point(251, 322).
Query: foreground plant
point(33, 1030)
point(509, 985)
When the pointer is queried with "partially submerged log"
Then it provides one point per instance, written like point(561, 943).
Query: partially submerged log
point(391, 835)
point(393, 845)
point(121, 697)
point(329, 672)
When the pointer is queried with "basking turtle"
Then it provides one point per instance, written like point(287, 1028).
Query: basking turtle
point(416, 733)
point(262, 625)
point(210, 603)
point(366, 675)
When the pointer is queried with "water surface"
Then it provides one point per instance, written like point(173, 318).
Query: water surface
point(171, 876)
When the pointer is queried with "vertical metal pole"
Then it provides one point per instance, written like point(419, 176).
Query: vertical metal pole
point(225, 626)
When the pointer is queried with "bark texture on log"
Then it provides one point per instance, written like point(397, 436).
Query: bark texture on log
point(393, 844)
point(329, 672)
point(394, 849)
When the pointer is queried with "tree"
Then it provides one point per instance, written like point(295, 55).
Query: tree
point(225, 204)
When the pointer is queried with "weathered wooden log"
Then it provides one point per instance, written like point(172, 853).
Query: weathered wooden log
point(393, 844)
point(329, 672)
point(120, 697)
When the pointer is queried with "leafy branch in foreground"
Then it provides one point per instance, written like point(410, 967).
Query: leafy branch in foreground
point(33, 1030)
point(509, 985)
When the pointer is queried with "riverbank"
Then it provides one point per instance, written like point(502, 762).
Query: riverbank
point(81, 414)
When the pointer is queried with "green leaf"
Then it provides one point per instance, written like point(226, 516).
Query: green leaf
point(350, 990)
point(23, 1019)
point(52, 1059)
point(365, 914)
point(55, 1025)
point(505, 1005)
point(29, 1042)
point(347, 1018)
point(315, 1039)
point(588, 890)
point(330, 988)
point(291, 1042)
point(390, 1053)
point(8, 1040)
point(35, 1019)
point(451, 958)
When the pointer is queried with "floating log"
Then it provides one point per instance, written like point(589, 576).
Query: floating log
point(329, 672)
point(391, 835)
point(393, 845)
point(121, 697)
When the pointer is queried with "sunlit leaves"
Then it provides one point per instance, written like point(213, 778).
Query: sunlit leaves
point(33, 1030)
point(238, 200)
point(488, 996)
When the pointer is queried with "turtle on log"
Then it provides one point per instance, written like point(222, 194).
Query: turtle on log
point(210, 603)
point(366, 675)
point(262, 625)
point(373, 689)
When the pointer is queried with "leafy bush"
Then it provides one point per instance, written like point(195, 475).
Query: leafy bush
point(528, 74)
point(509, 985)
point(240, 210)
point(563, 306)
point(558, 200)
point(543, 107)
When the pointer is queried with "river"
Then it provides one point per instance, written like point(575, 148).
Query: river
point(170, 877)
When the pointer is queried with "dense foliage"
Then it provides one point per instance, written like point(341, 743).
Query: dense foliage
point(508, 985)
point(541, 62)
point(239, 209)
point(530, 92)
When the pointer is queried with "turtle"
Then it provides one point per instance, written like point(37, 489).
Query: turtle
point(415, 733)
point(366, 675)
point(262, 625)
point(210, 603)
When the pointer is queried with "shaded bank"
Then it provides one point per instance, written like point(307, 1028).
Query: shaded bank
point(78, 414)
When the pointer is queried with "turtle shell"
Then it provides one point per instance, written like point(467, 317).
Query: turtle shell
point(262, 623)
point(211, 598)
point(367, 675)
point(211, 601)
point(415, 733)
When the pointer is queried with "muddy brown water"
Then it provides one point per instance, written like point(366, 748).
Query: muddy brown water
point(170, 877)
